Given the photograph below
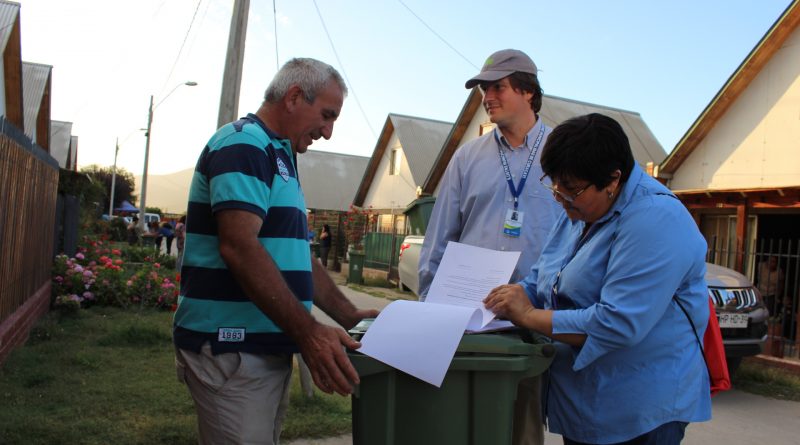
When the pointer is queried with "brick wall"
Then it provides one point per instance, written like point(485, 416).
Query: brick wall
point(14, 329)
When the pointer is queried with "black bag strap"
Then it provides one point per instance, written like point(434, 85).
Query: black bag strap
point(694, 329)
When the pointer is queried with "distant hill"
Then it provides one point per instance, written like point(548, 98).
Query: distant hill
point(168, 192)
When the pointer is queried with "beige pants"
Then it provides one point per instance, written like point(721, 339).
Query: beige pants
point(528, 428)
point(240, 398)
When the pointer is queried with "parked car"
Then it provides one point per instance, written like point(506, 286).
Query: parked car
point(740, 310)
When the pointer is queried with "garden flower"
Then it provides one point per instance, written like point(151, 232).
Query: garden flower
point(79, 256)
point(88, 296)
point(129, 283)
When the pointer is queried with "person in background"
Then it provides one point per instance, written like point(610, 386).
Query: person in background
point(248, 281)
point(770, 283)
point(134, 232)
point(621, 274)
point(489, 196)
point(180, 239)
point(325, 244)
point(165, 232)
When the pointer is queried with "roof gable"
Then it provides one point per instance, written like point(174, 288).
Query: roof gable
point(9, 14)
point(421, 140)
point(35, 77)
point(747, 71)
point(60, 139)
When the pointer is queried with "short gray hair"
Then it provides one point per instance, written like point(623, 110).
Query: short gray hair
point(310, 75)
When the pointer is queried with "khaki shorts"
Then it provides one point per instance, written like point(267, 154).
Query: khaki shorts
point(240, 398)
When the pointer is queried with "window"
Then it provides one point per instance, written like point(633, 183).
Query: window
point(394, 162)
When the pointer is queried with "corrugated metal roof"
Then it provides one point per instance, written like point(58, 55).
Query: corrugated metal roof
point(60, 138)
point(34, 80)
point(644, 144)
point(330, 180)
point(421, 140)
point(8, 15)
point(555, 110)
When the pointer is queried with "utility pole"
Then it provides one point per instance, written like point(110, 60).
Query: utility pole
point(113, 182)
point(146, 161)
point(232, 75)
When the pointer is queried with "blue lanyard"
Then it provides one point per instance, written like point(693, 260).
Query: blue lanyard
point(515, 192)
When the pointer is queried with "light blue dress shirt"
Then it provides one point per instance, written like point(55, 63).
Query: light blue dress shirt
point(473, 200)
point(641, 365)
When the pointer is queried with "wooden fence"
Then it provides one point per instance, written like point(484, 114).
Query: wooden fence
point(28, 190)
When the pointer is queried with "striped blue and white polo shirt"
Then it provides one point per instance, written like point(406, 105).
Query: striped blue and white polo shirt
point(244, 166)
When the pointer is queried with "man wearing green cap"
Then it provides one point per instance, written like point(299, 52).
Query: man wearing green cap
point(490, 195)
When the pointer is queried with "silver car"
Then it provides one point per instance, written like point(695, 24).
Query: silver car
point(740, 310)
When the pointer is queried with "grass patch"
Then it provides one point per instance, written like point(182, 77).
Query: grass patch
point(767, 381)
point(107, 375)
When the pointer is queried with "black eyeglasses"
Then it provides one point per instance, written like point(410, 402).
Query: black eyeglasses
point(545, 181)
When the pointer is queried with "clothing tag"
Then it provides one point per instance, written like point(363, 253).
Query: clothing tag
point(513, 225)
point(282, 170)
point(230, 334)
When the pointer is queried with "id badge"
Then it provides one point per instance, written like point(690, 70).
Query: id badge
point(513, 225)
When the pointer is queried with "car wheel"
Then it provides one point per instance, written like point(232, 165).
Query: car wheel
point(733, 364)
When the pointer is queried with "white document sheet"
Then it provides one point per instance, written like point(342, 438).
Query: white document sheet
point(467, 274)
point(421, 338)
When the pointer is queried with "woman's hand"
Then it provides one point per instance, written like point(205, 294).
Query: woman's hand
point(510, 301)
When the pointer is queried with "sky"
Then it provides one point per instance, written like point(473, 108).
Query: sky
point(662, 59)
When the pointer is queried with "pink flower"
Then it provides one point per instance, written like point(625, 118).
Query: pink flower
point(88, 295)
point(116, 252)
point(87, 273)
point(59, 279)
point(79, 256)
point(78, 268)
point(129, 283)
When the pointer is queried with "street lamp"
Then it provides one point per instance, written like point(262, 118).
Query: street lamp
point(147, 148)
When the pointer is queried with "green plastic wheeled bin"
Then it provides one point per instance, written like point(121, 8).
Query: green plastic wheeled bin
point(418, 213)
point(474, 406)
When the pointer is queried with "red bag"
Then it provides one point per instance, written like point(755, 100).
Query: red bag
point(712, 349)
point(714, 352)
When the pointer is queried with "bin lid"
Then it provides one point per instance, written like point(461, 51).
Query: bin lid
point(420, 201)
point(496, 343)
point(508, 342)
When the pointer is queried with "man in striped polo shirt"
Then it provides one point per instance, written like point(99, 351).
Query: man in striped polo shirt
point(248, 280)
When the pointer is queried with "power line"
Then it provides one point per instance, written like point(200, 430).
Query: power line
point(341, 65)
point(275, 25)
point(437, 35)
point(186, 37)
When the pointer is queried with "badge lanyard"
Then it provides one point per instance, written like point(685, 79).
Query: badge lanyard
point(515, 192)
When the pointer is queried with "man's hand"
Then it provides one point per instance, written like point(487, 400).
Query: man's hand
point(323, 351)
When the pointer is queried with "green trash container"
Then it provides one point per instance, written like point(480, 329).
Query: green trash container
point(474, 406)
point(418, 214)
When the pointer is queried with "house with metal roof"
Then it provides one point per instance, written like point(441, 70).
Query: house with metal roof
point(63, 145)
point(473, 122)
point(737, 168)
point(329, 182)
point(36, 88)
point(330, 179)
point(10, 90)
point(403, 156)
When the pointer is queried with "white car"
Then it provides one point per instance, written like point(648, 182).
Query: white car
point(740, 310)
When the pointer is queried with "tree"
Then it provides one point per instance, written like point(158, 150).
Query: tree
point(123, 189)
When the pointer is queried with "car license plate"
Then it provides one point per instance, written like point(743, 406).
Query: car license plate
point(732, 320)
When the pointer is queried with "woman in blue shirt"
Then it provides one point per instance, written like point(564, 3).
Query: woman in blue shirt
point(628, 367)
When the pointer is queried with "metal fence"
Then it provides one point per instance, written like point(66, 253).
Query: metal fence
point(382, 250)
point(28, 188)
point(773, 265)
